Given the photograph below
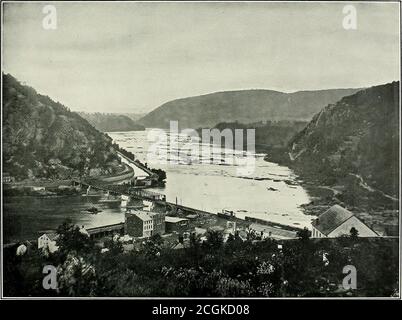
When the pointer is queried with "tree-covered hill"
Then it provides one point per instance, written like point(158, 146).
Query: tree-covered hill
point(44, 139)
point(354, 143)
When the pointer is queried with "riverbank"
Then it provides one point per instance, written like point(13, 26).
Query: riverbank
point(375, 209)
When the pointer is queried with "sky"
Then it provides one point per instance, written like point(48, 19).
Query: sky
point(133, 57)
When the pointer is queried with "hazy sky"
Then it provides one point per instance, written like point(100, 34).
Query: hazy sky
point(132, 57)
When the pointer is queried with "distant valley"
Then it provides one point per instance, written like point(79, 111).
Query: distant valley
point(110, 122)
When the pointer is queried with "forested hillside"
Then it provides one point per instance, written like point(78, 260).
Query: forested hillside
point(355, 143)
point(44, 139)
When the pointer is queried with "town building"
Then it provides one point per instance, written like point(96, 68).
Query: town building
point(174, 224)
point(104, 231)
point(158, 222)
point(338, 221)
point(140, 223)
point(48, 242)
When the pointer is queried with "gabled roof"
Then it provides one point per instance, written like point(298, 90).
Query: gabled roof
point(143, 215)
point(331, 219)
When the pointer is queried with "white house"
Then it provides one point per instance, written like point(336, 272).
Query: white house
point(337, 221)
point(47, 241)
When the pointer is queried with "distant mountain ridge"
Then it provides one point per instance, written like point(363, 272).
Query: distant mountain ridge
point(110, 122)
point(244, 106)
point(44, 139)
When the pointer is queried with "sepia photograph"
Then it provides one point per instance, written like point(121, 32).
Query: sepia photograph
point(200, 149)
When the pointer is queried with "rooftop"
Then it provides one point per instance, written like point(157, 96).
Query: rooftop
point(331, 219)
point(143, 215)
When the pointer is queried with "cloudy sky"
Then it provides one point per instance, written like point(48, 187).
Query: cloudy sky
point(132, 57)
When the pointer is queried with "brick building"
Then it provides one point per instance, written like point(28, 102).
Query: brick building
point(139, 223)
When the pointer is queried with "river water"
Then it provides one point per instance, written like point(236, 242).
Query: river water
point(274, 196)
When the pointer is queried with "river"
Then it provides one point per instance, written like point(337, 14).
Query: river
point(275, 196)
point(209, 187)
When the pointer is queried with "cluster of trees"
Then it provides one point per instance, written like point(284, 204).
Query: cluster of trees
point(300, 267)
